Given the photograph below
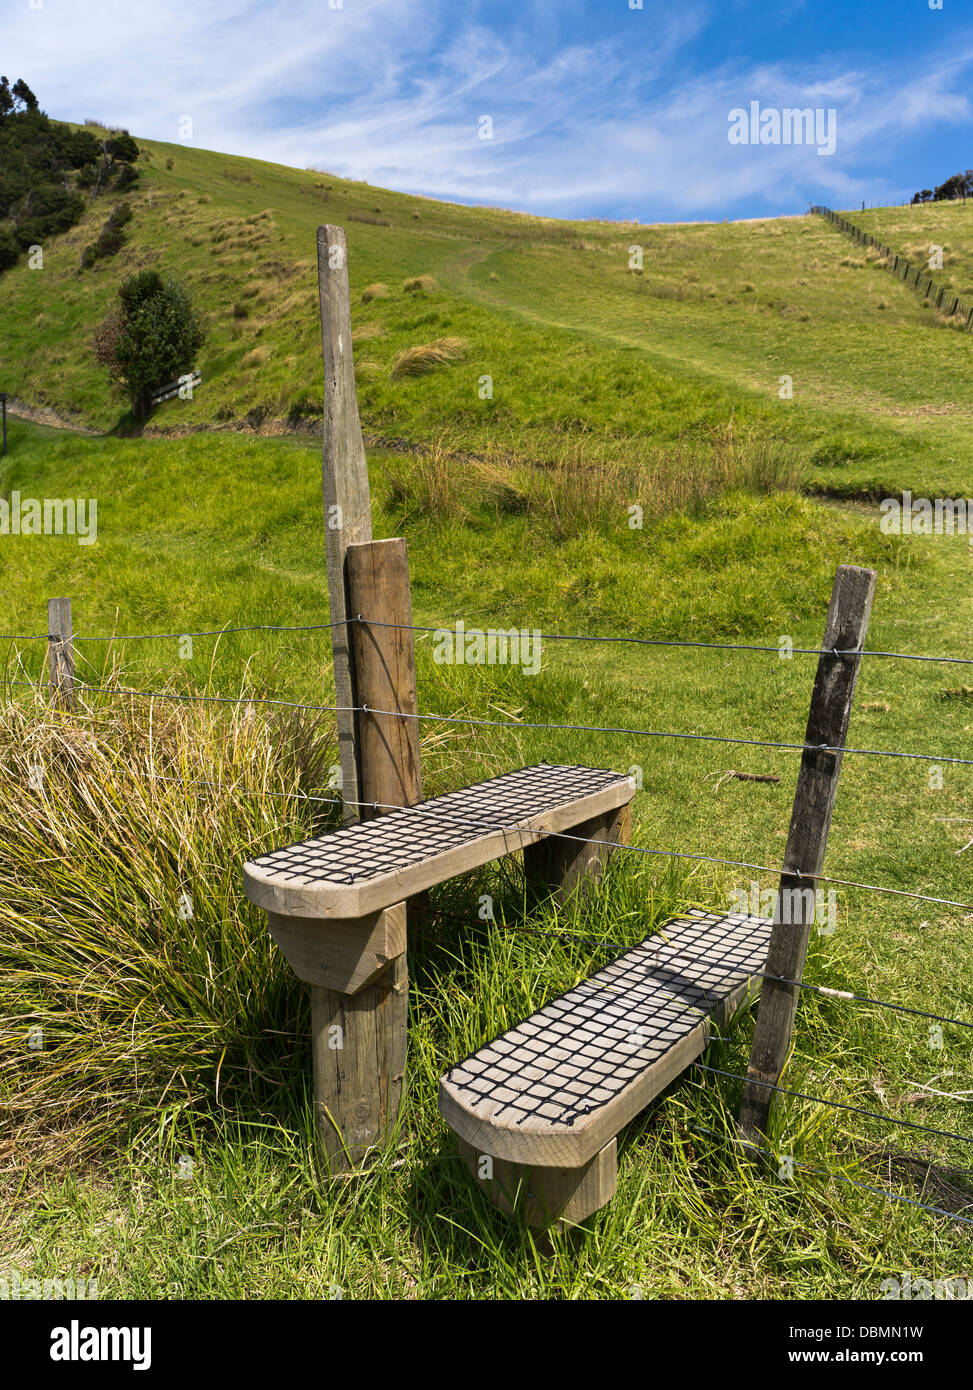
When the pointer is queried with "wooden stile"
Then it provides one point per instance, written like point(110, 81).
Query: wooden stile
point(817, 785)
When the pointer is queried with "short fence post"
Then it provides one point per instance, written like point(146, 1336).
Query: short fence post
point(817, 784)
point(384, 673)
point(60, 652)
point(359, 1086)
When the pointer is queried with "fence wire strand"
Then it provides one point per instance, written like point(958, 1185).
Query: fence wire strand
point(830, 1173)
point(848, 996)
point(836, 1104)
point(543, 636)
point(657, 733)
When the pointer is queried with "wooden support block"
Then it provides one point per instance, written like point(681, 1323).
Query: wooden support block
point(565, 864)
point(547, 1197)
point(384, 674)
point(337, 953)
point(359, 1052)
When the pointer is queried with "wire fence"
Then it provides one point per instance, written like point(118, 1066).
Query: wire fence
point(790, 1162)
point(922, 282)
point(721, 969)
point(620, 639)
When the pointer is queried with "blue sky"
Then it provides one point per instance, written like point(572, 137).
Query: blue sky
point(597, 109)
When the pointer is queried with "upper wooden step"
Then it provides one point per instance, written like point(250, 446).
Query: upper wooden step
point(376, 863)
point(554, 1090)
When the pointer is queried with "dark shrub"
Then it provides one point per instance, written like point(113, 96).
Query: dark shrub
point(80, 148)
point(120, 145)
point(126, 176)
point(9, 250)
point(155, 338)
point(111, 239)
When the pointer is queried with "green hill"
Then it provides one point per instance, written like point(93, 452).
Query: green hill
point(578, 345)
point(914, 229)
point(614, 389)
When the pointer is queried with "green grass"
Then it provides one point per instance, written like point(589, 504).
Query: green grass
point(914, 231)
point(689, 1221)
point(610, 390)
point(579, 347)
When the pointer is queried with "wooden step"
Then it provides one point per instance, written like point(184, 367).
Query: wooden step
point(553, 1091)
point(377, 863)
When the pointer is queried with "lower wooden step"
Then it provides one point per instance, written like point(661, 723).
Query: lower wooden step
point(556, 1089)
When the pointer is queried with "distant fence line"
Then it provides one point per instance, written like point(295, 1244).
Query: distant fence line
point(920, 279)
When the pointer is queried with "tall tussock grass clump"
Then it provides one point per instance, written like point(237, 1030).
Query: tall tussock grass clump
point(444, 486)
point(421, 284)
point(590, 485)
point(137, 983)
point(426, 357)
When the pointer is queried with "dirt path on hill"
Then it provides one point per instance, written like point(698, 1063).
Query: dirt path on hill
point(45, 415)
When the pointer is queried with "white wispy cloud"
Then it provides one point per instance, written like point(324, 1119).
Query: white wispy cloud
point(392, 92)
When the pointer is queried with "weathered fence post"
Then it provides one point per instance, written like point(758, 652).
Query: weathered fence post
point(817, 784)
point(358, 1084)
point(347, 505)
point(60, 651)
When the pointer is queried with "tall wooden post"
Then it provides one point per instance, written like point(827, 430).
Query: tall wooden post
point(347, 506)
point(360, 992)
point(60, 651)
point(817, 785)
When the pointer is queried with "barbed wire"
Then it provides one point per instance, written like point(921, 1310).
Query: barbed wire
point(667, 853)
point(543, 636)
point(830, 1173)
point(680, 642)
point(679, 955)
point(637, 849)
point(165, 636)
point(658, 733)
point(172, 695)
point(836, 1104)
point(517, 724)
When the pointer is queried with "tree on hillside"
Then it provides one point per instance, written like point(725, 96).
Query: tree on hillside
point(150, 338)
point(45, 168)
point(16, 98)
point(23, 95)
point(957, 186)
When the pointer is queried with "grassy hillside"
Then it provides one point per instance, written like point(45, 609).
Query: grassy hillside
point(583, 351)
point(611, 388)
point(913, 230)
